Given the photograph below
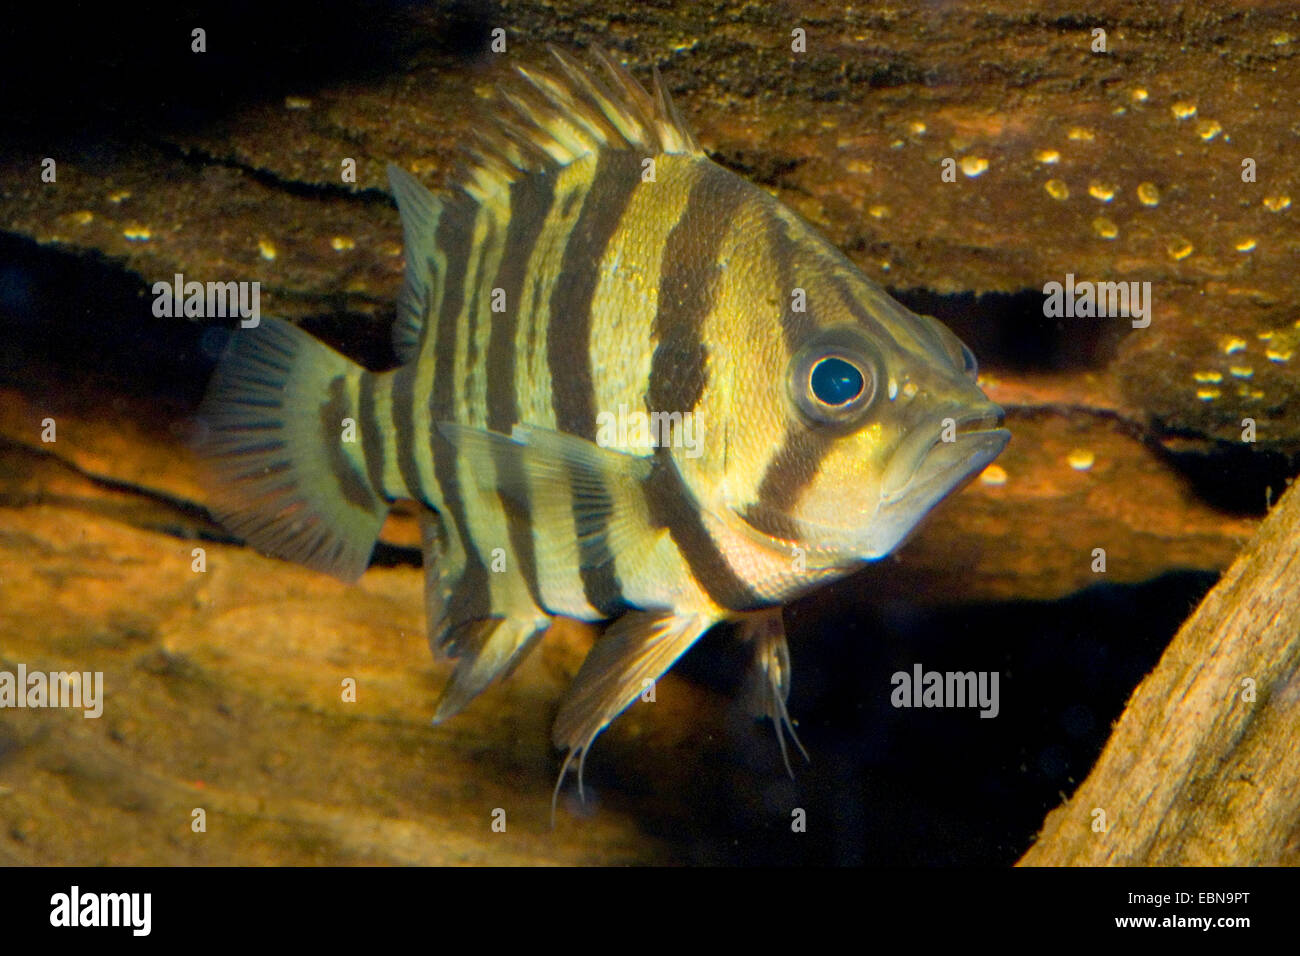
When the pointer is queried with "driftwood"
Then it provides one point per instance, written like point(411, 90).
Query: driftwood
point(1203, 767)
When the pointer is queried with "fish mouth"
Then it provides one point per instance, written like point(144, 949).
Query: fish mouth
point(925, 462)
point(925, 471)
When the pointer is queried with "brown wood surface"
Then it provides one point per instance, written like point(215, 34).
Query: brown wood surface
point(1196, 771)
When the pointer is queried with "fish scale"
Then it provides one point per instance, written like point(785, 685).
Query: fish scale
point(634, 279)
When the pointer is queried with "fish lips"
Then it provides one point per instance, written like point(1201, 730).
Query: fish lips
point(945, 466)
point(924, 457)
point(922, 472)
point(914, 485)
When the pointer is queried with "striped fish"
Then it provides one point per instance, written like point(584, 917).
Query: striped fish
point(635, 389)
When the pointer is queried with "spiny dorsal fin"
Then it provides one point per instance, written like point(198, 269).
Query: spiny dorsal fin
point(554, 119)
point(565, 114)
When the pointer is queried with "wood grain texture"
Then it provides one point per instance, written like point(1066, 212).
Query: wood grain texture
point(1196, 772)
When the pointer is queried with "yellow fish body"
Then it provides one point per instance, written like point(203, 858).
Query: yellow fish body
point(635, 389)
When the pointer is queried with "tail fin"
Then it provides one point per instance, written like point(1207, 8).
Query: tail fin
point(282, 441)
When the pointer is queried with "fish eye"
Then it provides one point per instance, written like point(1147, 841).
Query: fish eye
point(836, 381)
point(833, 378)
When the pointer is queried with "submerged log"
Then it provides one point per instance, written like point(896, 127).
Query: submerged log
point(1203, 767)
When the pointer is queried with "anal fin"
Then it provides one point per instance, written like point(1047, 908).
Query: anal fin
point(485, 645)
point(485, 650)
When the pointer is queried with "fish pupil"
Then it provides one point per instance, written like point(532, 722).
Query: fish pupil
point(835, 381)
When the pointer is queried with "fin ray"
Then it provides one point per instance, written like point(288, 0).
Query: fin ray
point(768, 682)
point(639, 646)
point(421, 212)
point(555, 118)
point(485, 650)
point(562, 477)
point(566, 113)
point(282, 477)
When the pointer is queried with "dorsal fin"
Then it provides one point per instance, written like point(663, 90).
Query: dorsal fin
point(565, 114)
point(421, 213)
point(555, 118)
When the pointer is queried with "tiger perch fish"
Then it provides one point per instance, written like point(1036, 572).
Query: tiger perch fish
point(649, 386)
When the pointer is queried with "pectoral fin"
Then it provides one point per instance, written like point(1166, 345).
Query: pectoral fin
point(554, 479)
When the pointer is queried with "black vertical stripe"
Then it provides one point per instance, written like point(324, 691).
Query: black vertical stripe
point(569, 200)
point(539, 284)
point(600, 582)
point(403, 411)
point(792, 273)
point(789, 471)
point(569, 344)
point(568, 350)
point(672, 506)
point(372, 432)
point(510, 475)
point(352, 485)
point(471, 599)
point(689, 276)
point(455, 230)
point(803, 445)
point(688, 280)
point(530, 203)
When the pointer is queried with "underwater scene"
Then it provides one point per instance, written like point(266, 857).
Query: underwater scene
point(650, 433)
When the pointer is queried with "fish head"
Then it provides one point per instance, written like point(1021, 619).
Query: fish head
point(880, 416)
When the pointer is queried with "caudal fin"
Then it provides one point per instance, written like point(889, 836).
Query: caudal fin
point(282, 446)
